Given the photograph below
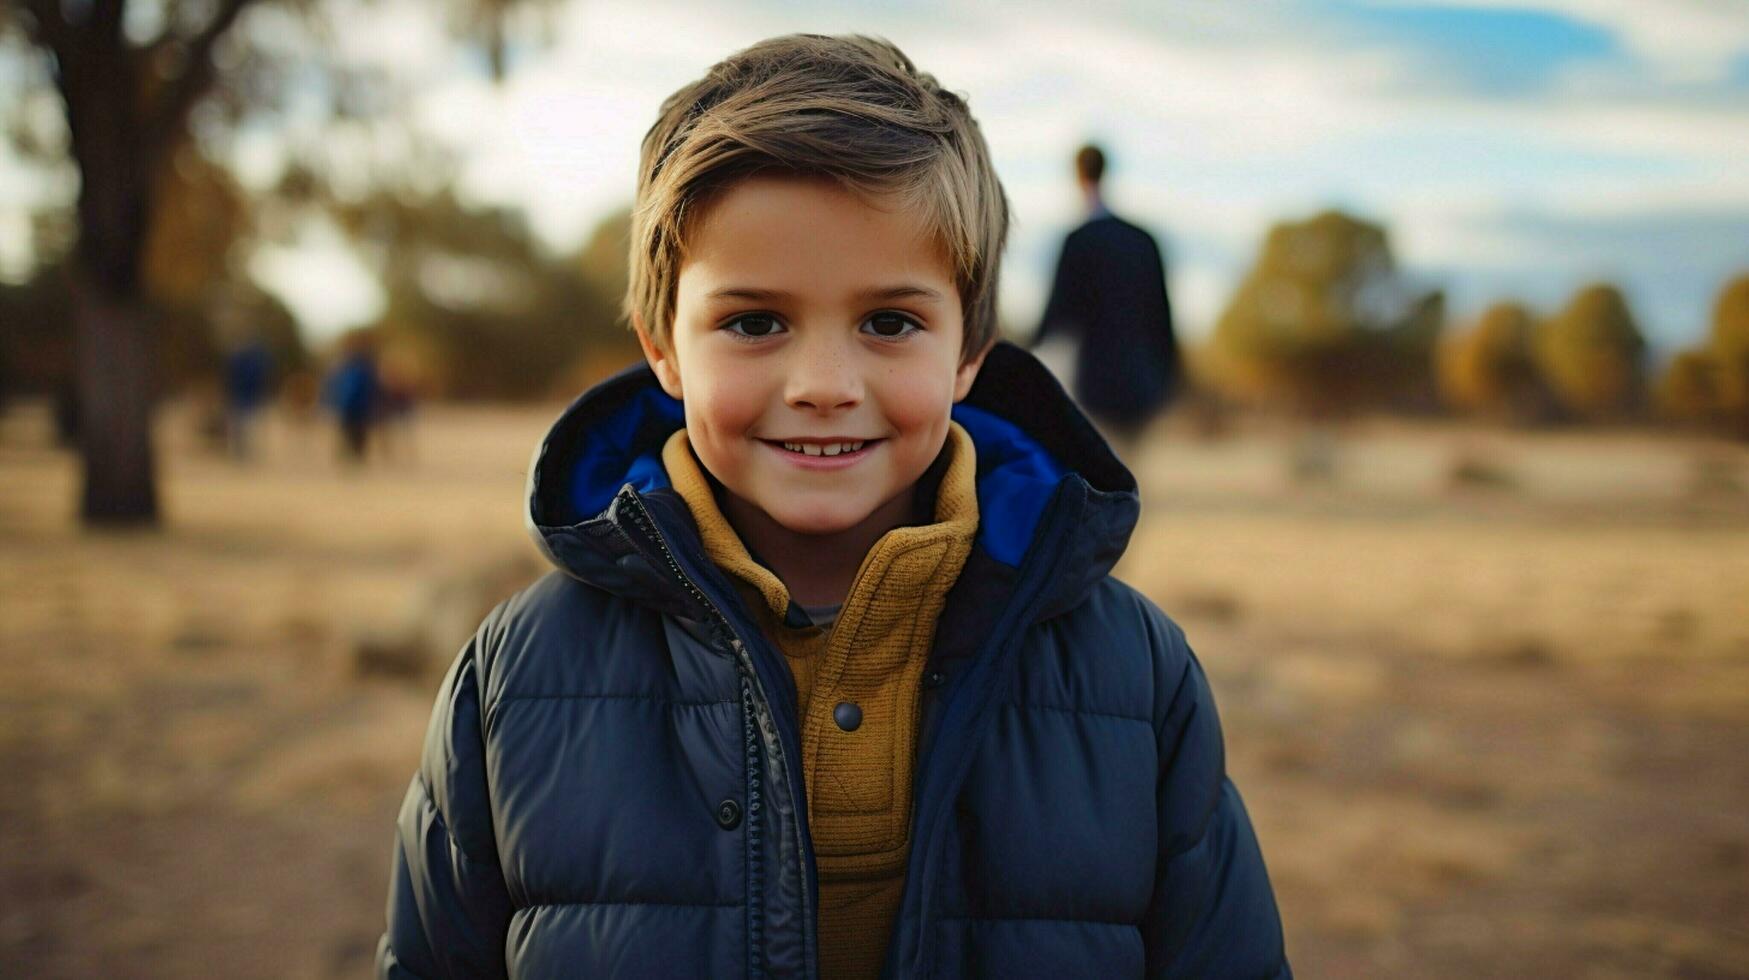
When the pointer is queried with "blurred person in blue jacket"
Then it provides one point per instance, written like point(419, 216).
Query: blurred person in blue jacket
point(248, 382)
point(353, 391)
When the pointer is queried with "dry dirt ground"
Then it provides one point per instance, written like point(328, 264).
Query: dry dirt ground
point(1486, 694)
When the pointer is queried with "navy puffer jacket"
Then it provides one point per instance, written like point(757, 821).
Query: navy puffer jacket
point(611, 787)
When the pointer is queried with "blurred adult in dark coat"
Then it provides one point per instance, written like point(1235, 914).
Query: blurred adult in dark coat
point(1109, 296)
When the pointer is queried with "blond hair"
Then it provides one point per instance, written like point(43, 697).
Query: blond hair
point(851, 108)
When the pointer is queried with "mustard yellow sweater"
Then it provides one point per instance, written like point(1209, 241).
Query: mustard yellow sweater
point(872, 656)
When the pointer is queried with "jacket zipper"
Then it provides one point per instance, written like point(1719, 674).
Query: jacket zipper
point(755, 876)
point(753, 698)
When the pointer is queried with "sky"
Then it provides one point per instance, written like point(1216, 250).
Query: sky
point(1511, 149)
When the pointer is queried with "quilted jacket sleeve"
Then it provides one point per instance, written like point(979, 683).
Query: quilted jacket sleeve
point(448, 910)
point(1213, 913)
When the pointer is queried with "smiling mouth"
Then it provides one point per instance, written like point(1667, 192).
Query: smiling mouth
point(822, 449)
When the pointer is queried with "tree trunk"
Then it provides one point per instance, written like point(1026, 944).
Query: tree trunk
point(119, 140)
point(113, 356)
point(116, 378)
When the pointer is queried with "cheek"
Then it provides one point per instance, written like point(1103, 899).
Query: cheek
point(722, 403)
point(916, 399)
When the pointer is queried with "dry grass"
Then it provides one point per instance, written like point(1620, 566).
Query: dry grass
point(1487, 727)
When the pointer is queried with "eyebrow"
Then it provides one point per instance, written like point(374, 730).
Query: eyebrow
point(906, 291)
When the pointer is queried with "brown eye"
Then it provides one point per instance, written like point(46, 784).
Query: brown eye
point(891, 325)
point(754, 325)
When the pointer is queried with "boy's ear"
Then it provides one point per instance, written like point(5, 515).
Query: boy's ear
point(968, 372)
point(661, 362)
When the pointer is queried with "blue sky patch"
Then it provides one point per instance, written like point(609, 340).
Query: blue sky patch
point(1494, 51)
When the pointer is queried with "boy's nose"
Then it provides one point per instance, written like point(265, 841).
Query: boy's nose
point(823, 381)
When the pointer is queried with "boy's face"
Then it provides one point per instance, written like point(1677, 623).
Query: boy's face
point(805, 315)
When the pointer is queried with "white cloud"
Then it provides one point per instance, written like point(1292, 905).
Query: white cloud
point(561, 138)
point(1708, 134)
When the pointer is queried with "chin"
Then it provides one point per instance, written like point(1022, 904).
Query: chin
point(810, 521)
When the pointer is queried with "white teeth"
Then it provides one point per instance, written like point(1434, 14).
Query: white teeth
point(815, 449)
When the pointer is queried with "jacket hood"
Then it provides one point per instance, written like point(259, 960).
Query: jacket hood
point(1038, 457)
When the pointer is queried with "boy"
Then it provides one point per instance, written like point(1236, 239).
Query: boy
point(836, 683)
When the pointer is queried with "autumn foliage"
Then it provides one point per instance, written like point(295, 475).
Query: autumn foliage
point(1491, 370)
point(1593, 356)
point(1325, 323)
point(1709, 384)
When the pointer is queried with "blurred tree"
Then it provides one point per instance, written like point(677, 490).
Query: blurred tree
point(36, 345)
point(131, 77)
point(200, 212)
point(191, 283)
point(126, 109)
point(1592, 355)
point(604, 259)
point(1687, 391)
point(1729, 346)
point(476, 308)
point(1324, 321)
point(1491, 369)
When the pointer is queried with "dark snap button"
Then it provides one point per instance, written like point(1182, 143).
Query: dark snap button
point(847, 715)
point(728, 814)
point(934, 678)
